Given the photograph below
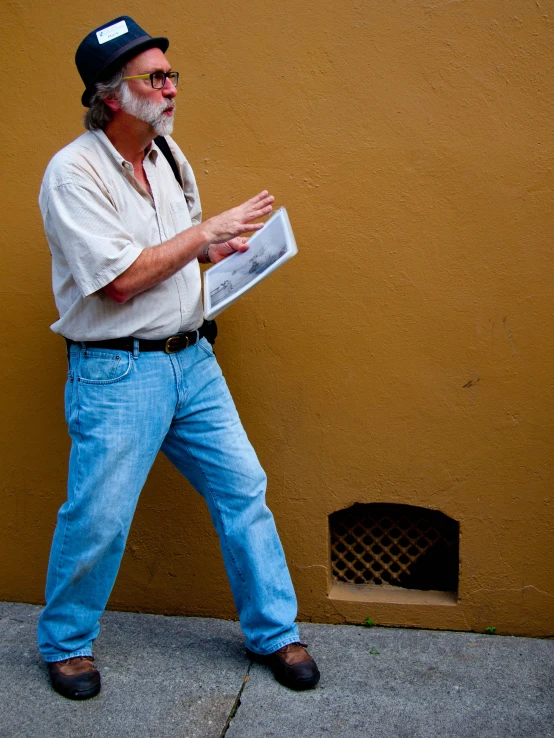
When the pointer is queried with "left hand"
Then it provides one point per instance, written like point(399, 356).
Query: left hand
point(220, 251)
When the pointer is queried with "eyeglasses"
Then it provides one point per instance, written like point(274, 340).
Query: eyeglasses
point(158, 79)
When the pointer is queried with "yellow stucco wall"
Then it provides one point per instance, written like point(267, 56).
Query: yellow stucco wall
point(405, 355)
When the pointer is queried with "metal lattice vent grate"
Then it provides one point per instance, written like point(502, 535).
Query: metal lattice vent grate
point(402, 545)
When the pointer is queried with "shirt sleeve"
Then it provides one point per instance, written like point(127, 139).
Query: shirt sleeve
point(82, 221)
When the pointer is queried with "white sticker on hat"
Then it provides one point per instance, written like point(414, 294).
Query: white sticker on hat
point(111, 32)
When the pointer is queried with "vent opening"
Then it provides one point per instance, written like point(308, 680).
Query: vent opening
point(399, 545)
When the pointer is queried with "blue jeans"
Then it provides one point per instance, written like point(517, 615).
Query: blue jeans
point(121, 409)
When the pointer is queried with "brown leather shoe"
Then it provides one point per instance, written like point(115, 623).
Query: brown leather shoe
point(76, 678)
point(292, 666)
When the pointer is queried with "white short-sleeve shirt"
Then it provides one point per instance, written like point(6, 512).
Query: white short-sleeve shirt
point(97, 220)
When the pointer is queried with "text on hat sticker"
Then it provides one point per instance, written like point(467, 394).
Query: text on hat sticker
point(107, 34)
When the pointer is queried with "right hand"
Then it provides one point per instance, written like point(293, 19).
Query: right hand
point(239, 220)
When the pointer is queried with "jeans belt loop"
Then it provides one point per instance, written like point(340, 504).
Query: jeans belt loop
point(135, 348)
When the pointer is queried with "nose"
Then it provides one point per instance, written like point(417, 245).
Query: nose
point(169, 89)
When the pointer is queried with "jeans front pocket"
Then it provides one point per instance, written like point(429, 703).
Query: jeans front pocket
point(206, 346)
point(102, 366)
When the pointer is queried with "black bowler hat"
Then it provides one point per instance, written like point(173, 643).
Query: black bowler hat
point(108, 47)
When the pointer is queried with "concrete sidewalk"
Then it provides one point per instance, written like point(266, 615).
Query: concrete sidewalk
point(176, 677)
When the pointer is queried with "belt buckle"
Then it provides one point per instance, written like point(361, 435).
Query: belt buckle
point(171, 348)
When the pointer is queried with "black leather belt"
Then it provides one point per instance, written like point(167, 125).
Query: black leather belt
point(171, 345)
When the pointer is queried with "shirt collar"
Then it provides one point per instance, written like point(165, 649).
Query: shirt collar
point(151, 151)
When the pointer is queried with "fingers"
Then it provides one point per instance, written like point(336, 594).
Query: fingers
point(261, 203)
point(239, 244)
point(263, 195)
point(241, 219)
point(258, 213)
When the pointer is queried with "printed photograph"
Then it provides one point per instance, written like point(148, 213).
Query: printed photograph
point(233, 276)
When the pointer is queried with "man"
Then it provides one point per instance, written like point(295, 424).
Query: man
point(125, 247)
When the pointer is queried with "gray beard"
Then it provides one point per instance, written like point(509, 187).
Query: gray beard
point(147, 111)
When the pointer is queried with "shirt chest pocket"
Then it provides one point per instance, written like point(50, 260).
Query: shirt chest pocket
point(180, 217)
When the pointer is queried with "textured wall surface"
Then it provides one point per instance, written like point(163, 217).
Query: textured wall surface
point(405, 355)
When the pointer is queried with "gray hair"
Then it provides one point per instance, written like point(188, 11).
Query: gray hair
point(99, 114)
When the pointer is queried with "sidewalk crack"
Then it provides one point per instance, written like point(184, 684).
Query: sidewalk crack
point(236, 704)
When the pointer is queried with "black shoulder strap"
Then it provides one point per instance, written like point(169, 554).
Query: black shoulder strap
point(209, 327)
point(162, 144)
